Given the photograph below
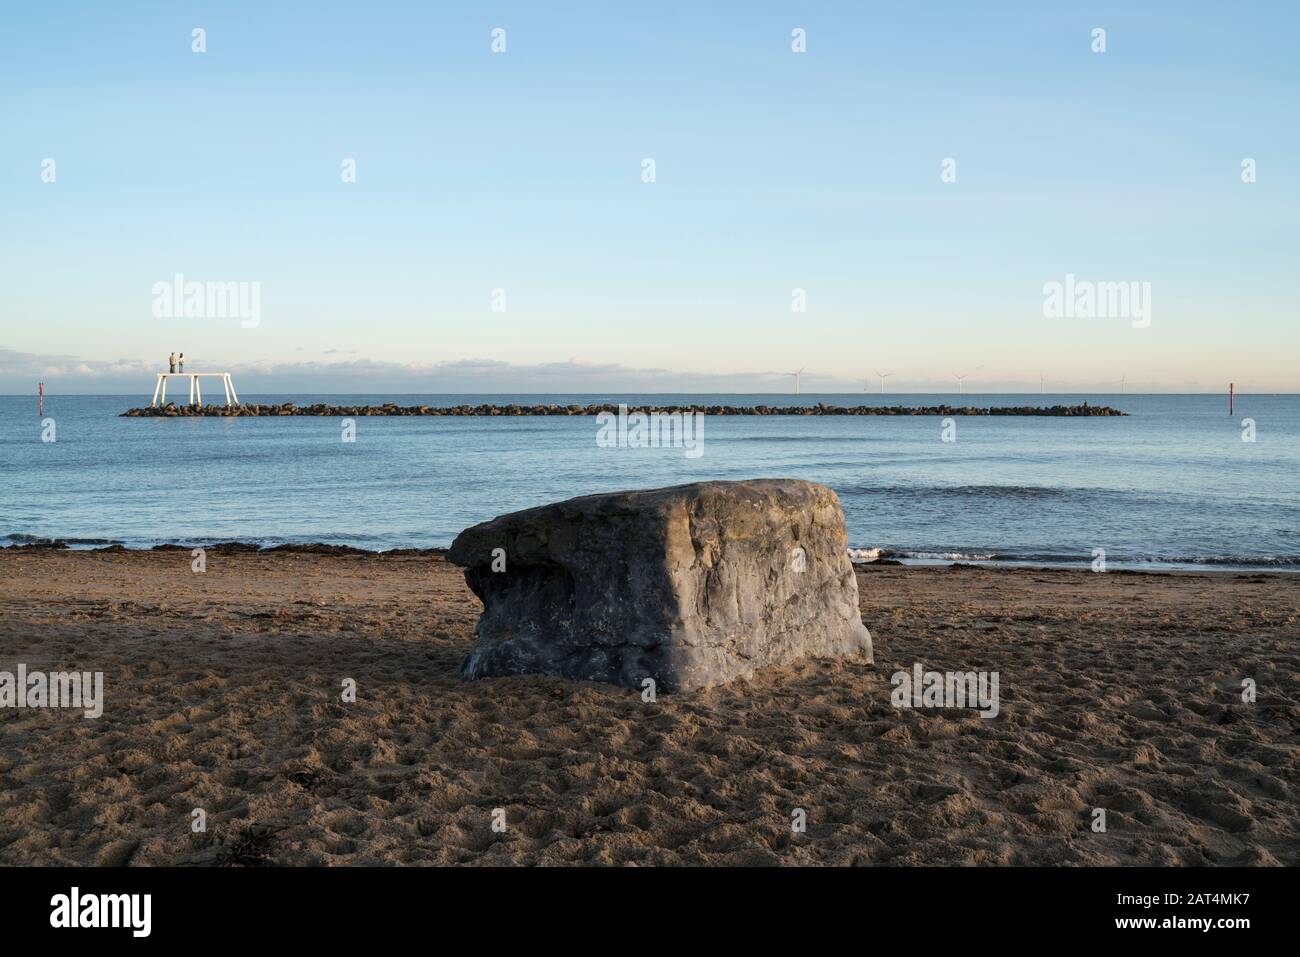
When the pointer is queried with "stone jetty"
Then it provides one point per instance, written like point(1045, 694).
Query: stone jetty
point(345, 411)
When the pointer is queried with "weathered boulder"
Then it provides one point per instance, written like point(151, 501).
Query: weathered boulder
point(692, 586)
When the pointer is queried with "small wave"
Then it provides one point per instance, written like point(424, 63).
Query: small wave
point(1121, 558)
point(1266, 561)
point(864, 554)
point(1117, 559)
point(975, 491)
point(951, 556)
point(22, 538)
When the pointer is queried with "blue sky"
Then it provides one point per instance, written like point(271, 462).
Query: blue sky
point(775, 171)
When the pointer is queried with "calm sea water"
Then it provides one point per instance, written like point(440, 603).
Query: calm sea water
point(1173, 484)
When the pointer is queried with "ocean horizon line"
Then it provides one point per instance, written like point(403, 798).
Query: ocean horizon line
point(803, 395)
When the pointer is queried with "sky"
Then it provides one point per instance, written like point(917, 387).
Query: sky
point(895, 198)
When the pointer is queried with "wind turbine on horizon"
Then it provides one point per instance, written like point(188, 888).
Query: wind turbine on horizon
point(883, 377)
point(961, 380)
point(796, 379)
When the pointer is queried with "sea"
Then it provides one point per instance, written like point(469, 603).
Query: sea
point(1177, 483)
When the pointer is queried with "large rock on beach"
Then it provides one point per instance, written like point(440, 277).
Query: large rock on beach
point(691, 586)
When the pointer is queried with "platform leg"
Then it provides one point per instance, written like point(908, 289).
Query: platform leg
point(157, 385)
point(164, 390)
point(231, 383)
point(198, 392)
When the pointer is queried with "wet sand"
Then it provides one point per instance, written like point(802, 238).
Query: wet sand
point(222, 692)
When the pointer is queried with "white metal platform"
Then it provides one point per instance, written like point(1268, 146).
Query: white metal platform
point(196, 393)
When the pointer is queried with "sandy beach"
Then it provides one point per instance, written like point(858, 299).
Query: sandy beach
point(222, 692)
